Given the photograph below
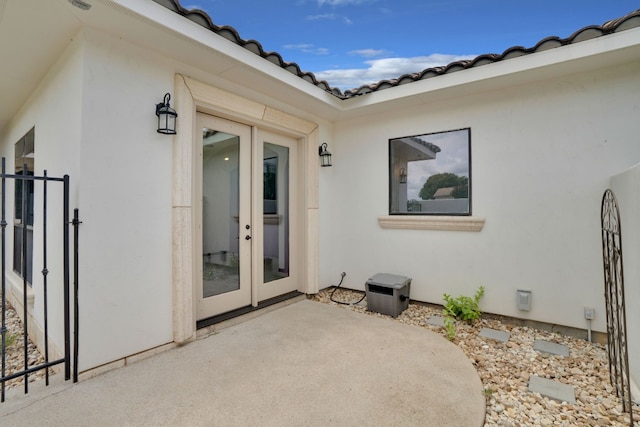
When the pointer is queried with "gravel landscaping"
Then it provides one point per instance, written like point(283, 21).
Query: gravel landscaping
point(14, 357)
point(505, 368)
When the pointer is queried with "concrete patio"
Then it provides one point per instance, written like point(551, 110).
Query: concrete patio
point(306, 363)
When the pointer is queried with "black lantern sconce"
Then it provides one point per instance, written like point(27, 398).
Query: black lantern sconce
point(166, 117)
point(403, 176)
point(325, 156)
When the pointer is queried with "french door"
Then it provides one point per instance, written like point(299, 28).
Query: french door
point(246, 215)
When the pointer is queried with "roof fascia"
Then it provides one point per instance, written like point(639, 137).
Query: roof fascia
point(601, 52)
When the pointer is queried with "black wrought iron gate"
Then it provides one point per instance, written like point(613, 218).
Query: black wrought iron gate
point(614, 299)
point(23, 243)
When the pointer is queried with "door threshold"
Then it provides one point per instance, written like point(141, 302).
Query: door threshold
point(205, 326)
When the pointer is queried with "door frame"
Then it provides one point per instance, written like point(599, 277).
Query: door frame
point(191, 96)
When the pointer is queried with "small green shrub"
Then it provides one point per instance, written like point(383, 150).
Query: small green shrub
point(488, 392)
point(449, 327)
point(463, 307)
point(10, 339)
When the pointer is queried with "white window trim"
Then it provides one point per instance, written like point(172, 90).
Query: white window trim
point(426, 222)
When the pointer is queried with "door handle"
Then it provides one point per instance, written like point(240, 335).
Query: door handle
point(247, 237)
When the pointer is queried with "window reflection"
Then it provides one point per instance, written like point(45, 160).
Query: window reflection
point(431, 174)
point(276, 211)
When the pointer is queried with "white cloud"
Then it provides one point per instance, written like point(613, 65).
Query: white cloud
point(307, 48)
point(328, 16)
point(385, 69)
point(369, 53)
point(299, 46)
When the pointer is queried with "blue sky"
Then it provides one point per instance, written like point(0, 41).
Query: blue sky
point(355, 42)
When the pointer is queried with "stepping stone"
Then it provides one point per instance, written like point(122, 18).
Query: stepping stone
point(552, 389)
point(502, 336)
point(436, 321)
point(551, 347)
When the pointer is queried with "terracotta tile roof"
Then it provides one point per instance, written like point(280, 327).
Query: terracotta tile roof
point(430, 146)
point(631, 20)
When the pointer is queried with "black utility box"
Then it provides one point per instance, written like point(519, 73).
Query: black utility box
point(388, 294)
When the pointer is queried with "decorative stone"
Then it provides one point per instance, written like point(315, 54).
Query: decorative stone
point(552, 389)
point(493, 334)
point(436, 321)
point(551, 348)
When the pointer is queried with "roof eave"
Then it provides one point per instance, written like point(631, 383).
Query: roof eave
point(617, 48)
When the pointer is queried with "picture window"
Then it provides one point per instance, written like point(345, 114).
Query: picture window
point(430, 174)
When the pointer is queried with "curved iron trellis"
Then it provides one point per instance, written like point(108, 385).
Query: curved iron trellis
point(614, 299)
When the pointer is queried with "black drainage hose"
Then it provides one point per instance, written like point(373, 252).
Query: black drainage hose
point(336, 288)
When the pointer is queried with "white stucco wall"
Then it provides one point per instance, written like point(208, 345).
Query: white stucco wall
point(53, 109)
point(94, 120)
point(125, 203)
point(541, 158)
point(626, 186)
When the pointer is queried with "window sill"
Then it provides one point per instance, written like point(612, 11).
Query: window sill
point(16, 290)
point(444, 223)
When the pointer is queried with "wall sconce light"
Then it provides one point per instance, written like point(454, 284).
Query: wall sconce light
point(166, 117)
point(403, 176)
point(325, 156)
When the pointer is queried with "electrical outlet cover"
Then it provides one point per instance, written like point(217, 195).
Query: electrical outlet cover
point(524, 300)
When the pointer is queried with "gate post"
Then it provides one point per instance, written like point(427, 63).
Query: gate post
point(614, 300)
point(65, 251)
point(76, 226)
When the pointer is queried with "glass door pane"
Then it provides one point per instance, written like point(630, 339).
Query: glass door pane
point(275, 211)
point(279, 191)
point(220, 213)
point(223, 216)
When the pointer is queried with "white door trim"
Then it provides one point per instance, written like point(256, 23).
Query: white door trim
point(190, 96)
